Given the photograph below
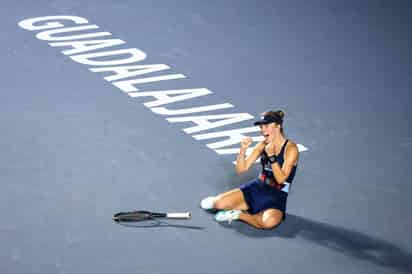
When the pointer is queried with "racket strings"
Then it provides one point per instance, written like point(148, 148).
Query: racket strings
point(132, 216)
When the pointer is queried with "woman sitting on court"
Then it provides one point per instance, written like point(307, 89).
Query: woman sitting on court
point(261, 202)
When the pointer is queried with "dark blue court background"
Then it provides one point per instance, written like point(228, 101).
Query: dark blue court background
point(74, 149)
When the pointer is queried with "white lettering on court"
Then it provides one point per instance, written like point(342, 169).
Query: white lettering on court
point(122, 66)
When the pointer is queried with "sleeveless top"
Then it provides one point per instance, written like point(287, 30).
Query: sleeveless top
point(266, 175)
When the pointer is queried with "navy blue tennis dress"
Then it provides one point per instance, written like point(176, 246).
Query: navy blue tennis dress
point(264, 192)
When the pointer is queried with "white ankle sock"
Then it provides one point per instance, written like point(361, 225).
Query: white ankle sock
point(207, 203)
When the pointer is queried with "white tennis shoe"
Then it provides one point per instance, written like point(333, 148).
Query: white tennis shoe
point(207, 203)
point(227, 215)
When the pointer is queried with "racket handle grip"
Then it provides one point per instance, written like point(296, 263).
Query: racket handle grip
point(182, 215)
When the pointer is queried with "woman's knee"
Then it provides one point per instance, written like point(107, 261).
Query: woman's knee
point(271, 223)
point(271, 219)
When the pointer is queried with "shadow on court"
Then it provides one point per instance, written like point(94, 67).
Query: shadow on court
point(157, 224)
point(351, 243)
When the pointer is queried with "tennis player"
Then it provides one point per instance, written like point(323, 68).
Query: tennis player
point(261, 202)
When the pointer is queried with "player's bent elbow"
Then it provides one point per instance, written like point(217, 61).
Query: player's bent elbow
point(282, 181)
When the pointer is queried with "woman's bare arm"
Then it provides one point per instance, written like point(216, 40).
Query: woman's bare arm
point(243, 163)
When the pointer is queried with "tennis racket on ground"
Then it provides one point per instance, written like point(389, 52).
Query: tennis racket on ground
point(142, 215)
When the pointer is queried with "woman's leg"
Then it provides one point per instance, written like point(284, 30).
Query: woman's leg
point(232, 199)
point(267, 219)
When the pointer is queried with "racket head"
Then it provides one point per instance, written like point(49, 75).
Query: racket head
point(137, 216)
point(133, 216)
